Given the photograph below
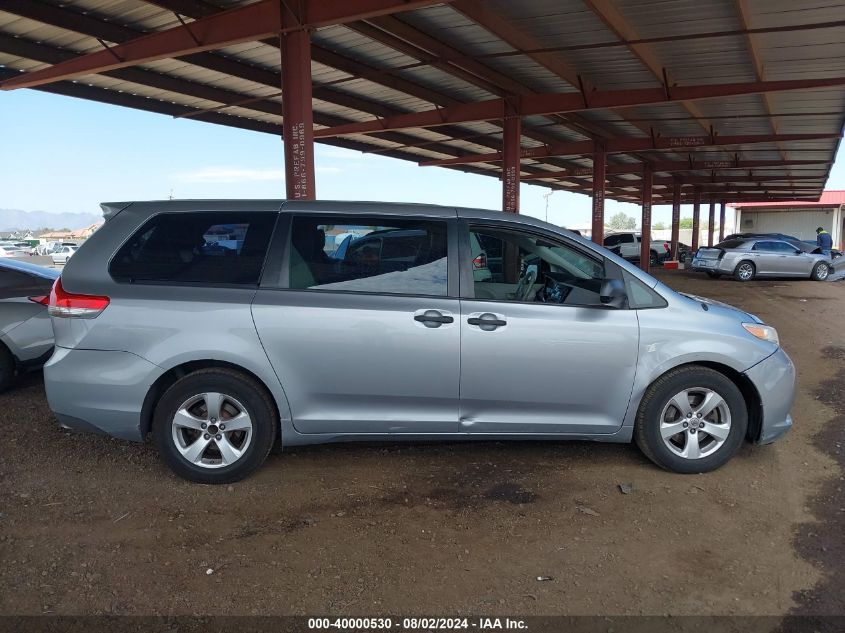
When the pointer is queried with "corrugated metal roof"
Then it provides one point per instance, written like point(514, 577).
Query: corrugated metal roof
point(384, 66)
point(829, 198)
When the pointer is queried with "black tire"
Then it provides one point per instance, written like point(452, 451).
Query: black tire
point(234, 384)
point(740, 272)
point(713, 275)
point(647, 433)
point(821, 271)
point(7, 368)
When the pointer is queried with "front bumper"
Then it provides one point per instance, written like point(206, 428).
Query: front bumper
point(774, 379)
point(99, 391)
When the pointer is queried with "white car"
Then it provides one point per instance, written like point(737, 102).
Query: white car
point(10, 251)
point(63, 254)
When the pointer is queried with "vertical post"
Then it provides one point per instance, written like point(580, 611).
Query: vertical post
point(696, 214)
point(511, 140)
point(676, 217)
point(599, 172)
point(645, 230)
point(722, 221)
point(711, 221)
point(298, 121)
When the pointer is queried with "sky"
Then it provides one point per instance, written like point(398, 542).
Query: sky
point(62, 154)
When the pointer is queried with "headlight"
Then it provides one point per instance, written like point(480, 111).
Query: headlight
point(764, 332)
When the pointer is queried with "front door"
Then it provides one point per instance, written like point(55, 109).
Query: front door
point(364, 339)
point(539, 351)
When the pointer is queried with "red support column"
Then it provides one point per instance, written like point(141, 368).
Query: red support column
point(599, 172)
point(676, 217)
point(722, 222)
point(696, 214)
point(645, 230)
point(511, 140)
point(711, 221)
point(298, 123)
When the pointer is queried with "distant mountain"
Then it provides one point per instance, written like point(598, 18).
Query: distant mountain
point(15, 219)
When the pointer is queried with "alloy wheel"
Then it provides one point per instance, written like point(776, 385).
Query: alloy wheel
point(695, 423)
point(212, 430)
point(746, 271)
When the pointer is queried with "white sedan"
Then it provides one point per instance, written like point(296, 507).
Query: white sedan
point(63, 254)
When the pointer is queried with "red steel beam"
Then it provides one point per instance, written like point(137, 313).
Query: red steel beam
point(298, 120)
point(542, 104)
point(510, 169)
point(711, 221)
point(645, 229)
point(676, 218)
point(251, 22)
point(635, 169)
point(696, 215)
point(626, 145)
point(722, 221)
point(599, 166)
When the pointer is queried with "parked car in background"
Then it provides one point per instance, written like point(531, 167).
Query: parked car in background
point(809, 246)
point(26, 335)
point(62, 254)
point(747, 258)
point(219, 356)
point(8, 250)
point(627, 244)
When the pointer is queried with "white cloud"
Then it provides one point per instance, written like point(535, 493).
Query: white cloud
point(229, 175)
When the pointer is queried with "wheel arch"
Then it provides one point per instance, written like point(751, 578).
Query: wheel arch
point(169, 378)
point(750, 395)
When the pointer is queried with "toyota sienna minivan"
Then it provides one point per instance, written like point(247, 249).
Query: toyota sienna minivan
point(221, 327)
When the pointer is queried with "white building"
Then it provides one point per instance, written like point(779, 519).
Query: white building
point(800, 219)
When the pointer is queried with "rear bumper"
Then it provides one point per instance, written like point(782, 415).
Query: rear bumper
point(99, 391)
point(712, 265)
point(774, 379)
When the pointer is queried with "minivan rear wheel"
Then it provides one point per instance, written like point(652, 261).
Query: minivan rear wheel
point(691, 420)
point(214, 426)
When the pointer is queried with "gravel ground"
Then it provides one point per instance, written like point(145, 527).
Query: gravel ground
point(90, 525)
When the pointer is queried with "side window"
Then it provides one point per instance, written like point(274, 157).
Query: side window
point(766, 247)
point(372, 255)
point(198, 248)
point(612, 240)
point(641, 296)
point(532, 268)
point(628, 238)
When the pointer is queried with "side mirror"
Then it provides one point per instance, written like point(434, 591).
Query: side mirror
point(613, 293)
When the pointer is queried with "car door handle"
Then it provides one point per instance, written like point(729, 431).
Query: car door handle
point(481, 321)
point(433, 318)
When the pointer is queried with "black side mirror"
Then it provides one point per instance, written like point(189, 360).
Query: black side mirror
point(613, 293)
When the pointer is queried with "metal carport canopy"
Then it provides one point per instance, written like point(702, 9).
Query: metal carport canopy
point(724, 100)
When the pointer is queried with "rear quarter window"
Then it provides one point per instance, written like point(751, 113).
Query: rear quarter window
point(226, 248)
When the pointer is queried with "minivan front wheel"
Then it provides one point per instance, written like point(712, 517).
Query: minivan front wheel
point(691, 420)
point(214, 426)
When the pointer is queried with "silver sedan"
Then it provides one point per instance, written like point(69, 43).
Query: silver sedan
point(748, 258)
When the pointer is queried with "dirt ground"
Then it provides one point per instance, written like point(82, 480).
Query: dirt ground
point(90, 525)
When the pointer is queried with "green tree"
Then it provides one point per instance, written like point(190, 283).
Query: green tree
point(685, 223)
point(622, 222)
point(659, 227)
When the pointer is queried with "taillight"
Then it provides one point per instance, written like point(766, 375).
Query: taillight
point(480, 261)
point(68, 304)
point(43, 299)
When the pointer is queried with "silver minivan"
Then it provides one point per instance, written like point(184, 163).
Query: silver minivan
point(222, 327)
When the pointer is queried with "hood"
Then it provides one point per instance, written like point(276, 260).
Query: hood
point(724, 306)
